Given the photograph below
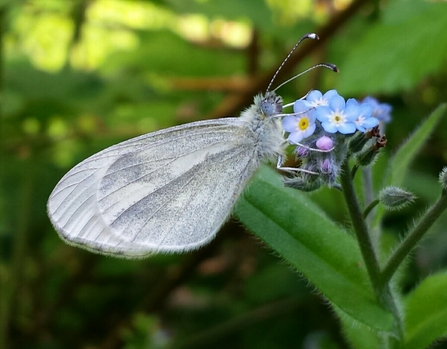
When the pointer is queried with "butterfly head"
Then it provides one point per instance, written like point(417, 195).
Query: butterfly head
point(270, 104)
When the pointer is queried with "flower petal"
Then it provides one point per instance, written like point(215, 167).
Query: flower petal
point(314, 96)
point(309, 131)
point(295, 137)
point(352, 112)
point(370, 122)
point(329, 127)
point(337, 102)
point(300, 106)
point(289, 123)
point(329, 94)
point(347, 128)
point(351, 102)
point(312, 115)
point(323, 113)
point(366, 110)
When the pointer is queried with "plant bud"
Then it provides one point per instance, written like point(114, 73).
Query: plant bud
point(395, 198)
point(443, 178)
point(357, 142)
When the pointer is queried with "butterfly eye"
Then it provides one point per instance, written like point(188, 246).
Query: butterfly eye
point(268, 107)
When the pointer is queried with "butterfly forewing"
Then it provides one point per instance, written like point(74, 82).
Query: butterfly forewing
point(165, 191)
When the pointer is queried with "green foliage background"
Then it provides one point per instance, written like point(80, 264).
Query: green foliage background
point(78, 76)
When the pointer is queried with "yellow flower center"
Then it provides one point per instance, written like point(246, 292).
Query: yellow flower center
point(303, 124)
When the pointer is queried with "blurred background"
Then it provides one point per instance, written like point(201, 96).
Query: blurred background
point(78, 76)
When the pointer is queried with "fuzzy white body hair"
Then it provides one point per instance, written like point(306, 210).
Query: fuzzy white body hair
point(267, 128)
point(166, 191)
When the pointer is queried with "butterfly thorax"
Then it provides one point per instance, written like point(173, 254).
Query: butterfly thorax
point(265, 124)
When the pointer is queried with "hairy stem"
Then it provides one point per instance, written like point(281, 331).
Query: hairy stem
point(413, 238)
point(370, 207)
point(382, 290)
point(358, 223)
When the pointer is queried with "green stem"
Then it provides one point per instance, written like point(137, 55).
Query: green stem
point(370, 207)
point(358, 223)
point(382, 290)
point(368, 192)
point(354, 170)
point(413, 238)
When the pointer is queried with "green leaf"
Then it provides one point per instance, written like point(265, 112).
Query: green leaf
point(426, 312)
point(397, 52)
point(358, 335)
point(400, 163)
point(162, 53)
point(298, 231)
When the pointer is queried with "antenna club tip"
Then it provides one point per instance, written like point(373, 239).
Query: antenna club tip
point(332, 67)
point(313, 36)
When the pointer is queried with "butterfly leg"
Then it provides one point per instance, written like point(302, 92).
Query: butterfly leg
point(291, 169)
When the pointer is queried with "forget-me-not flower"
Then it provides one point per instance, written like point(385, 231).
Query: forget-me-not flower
point(381, 111)
point(301, 124)
point(364, 119)
point(316, 99)
point(336, 116)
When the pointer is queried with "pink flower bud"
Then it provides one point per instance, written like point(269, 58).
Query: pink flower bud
point(325, 143)
point(301, 151)
point(325, 166)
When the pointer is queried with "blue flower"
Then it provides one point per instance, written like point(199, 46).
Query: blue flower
point(336, 116)
point(315, 98)
point(301, 124)
point(364, 119)
point(381, 111)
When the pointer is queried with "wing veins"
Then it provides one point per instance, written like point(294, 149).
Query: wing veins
point(173, 181)
point(127, 183)
point(140, 163)
point(149, 173)
point(155, 191)
point(87, 161)
point(162, 206)
point(205, 128)
point(79, 206)
point(73, 189)
point(152, 145)
point(105, 154)
point(192, 194)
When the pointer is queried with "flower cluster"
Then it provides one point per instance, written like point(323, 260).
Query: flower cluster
point(381, 111)
point(321, 127)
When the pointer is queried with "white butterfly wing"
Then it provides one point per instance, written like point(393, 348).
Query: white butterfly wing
point(166, 191)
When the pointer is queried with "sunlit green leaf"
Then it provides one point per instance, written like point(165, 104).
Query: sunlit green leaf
point(255, 11)
point(405, 155)
point(399, 164)
point(397, 52)
point(165, 54)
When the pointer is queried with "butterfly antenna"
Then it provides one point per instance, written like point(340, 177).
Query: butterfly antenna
point(306, 36)
point(329, 66)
